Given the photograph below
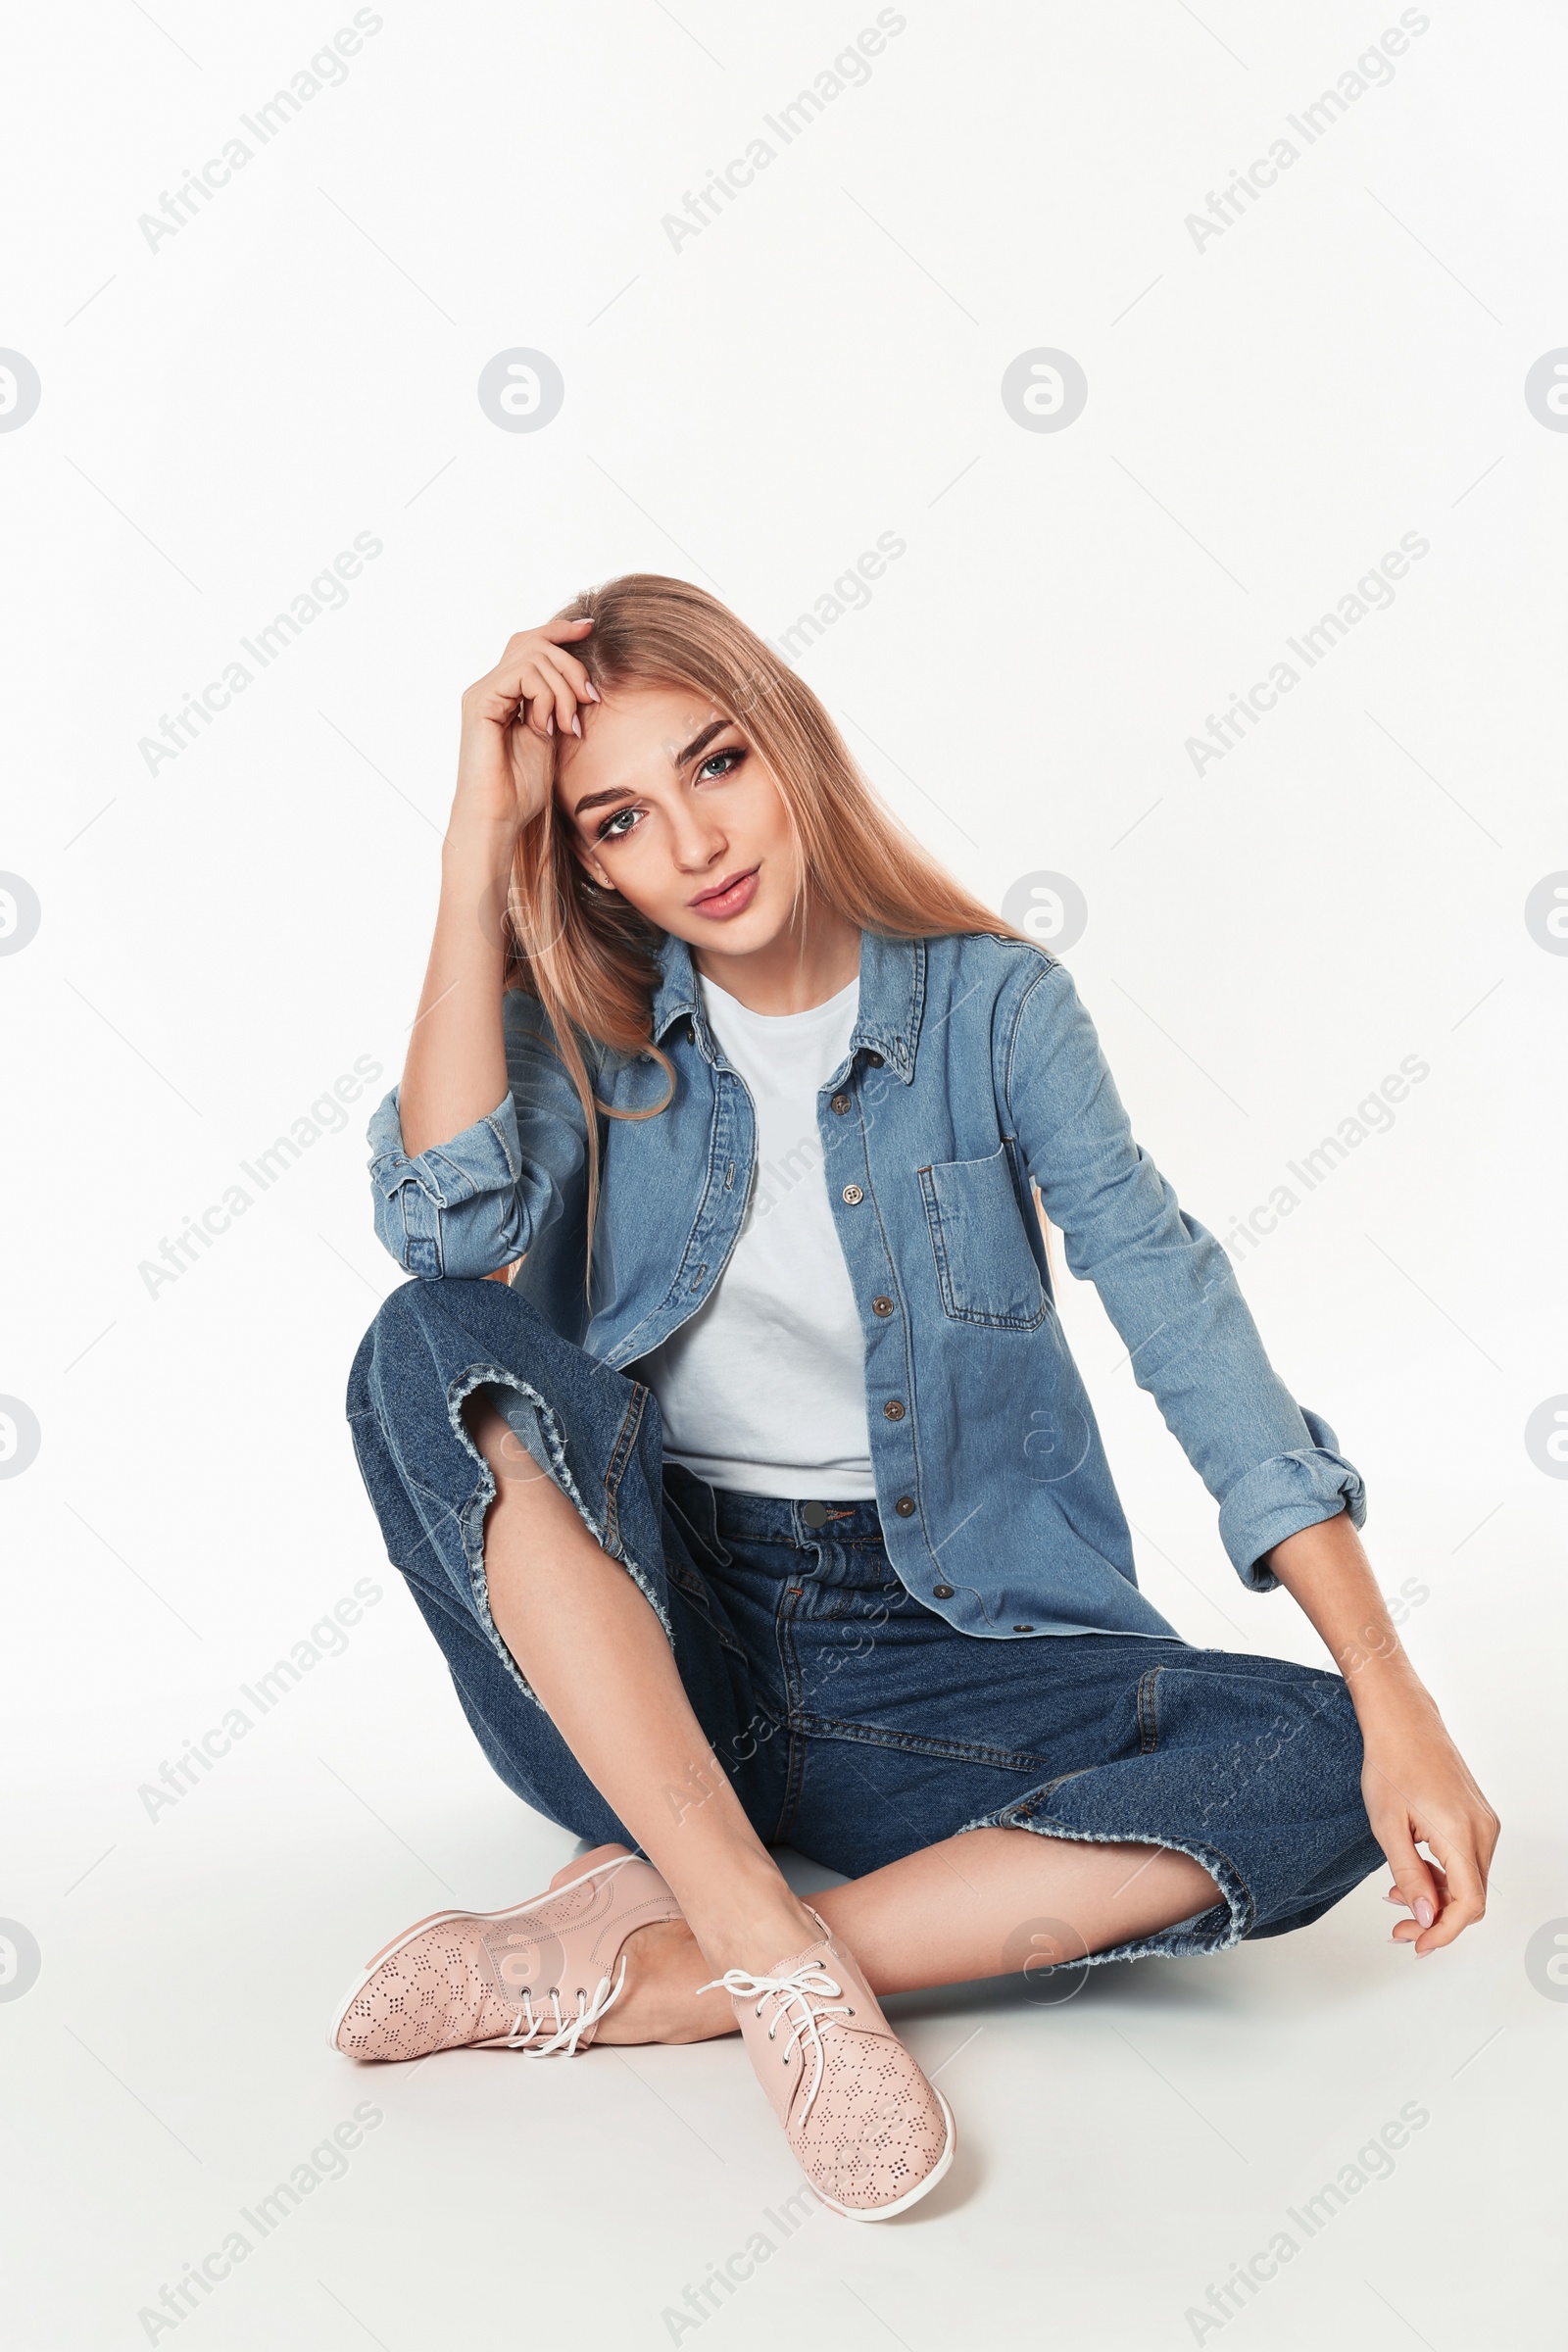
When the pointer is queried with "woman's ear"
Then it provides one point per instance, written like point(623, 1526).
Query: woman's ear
point(592, 868)
point(593, 872)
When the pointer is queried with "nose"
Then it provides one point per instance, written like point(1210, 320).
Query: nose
point(697, 839)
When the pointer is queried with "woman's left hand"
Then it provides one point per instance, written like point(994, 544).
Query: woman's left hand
point(1419, 1790)
point(1414, 1783)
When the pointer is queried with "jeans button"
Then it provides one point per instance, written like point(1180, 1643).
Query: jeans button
point(905, 1506)
point(942, 1591)
point(881, 1306)
point(839, 1103)
point(893, 1410)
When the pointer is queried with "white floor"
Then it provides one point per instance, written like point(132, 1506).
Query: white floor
point(1120, 2151)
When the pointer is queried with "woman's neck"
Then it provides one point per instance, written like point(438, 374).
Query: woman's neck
point(804, 965)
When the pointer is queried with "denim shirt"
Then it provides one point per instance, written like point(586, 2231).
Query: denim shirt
point(973, 1074)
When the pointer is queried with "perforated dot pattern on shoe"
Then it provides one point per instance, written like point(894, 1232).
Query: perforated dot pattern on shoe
point(875, 2128)
point(434, 1994)
point(470, 1977)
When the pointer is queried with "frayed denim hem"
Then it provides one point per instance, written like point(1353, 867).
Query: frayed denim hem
point(1217, 1930)
point(472, 1518)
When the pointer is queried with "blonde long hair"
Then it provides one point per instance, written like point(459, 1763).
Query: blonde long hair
point(588, 957)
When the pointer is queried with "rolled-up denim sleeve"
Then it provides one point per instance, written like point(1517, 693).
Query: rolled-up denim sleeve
point(1271, 1465)
point(467, 1207)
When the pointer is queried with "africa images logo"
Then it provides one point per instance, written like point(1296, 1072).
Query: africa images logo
point(521, 390)
point(20, 390)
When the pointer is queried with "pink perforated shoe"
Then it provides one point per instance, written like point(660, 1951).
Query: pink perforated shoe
point(872, 2136)
point(537, 1978)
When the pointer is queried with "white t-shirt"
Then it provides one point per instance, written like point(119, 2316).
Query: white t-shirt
point(763, 1391)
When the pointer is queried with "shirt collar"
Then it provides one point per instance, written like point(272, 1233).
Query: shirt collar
point(887, 1024)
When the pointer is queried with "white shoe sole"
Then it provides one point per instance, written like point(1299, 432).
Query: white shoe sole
point(885, 2213)
point(437, 1919)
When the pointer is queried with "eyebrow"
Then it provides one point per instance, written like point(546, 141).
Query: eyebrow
point(624, 792)
point(700, 742)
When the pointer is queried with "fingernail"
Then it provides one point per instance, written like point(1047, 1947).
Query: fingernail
point(1424, 1912)
point(576, 725)
point(592, 691)
point(550, 724)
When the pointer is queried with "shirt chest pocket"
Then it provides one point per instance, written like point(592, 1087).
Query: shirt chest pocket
point(985, 1267)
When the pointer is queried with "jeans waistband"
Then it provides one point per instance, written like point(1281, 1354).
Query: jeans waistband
point(806, 1526)
point(770, 1519)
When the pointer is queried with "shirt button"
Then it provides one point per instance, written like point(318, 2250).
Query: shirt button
point(893, 1410)
point(942, 1591)
point(1023, 1629)
point(875, 1059)
point(839, 1103)
point(905, 1506)
point(881, 1306)
point(852, 1195)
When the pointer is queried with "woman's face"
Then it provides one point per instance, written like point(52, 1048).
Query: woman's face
point(668, 804)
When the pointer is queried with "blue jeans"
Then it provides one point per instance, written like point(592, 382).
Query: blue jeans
point(854, 1724)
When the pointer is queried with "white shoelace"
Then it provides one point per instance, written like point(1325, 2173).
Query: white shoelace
point(562, 2031)
point(809, 1997)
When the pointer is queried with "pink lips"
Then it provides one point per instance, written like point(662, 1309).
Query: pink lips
point(731, 897)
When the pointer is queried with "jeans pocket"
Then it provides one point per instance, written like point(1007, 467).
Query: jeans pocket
point(986, 1269)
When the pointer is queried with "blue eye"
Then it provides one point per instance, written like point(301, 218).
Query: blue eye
point(616, 828)
point(734, 755)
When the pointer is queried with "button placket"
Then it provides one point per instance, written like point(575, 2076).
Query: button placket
point(883, 1301)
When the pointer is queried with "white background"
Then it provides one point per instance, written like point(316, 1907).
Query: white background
point(220, 940)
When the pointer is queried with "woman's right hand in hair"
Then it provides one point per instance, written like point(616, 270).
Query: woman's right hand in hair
point(506, 757)
point(455, 1071)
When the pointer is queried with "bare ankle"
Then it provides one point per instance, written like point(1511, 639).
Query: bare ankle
point(660, 2000)
point(753, 1935)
